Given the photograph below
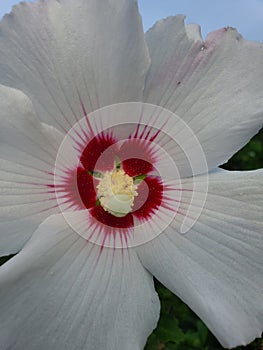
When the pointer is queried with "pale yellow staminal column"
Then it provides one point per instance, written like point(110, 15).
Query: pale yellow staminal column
point(116, 192)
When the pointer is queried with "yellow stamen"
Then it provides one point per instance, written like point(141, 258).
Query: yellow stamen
point(116, 192)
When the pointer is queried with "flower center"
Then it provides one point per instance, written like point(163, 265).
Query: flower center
point(116, 192)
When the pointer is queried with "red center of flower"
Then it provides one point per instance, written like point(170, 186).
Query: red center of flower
point(134, 156)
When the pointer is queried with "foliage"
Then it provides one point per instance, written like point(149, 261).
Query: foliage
point(180, 329)
point(250, 157)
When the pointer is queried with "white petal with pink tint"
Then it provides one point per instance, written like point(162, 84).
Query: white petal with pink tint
point(217, 266)
point(27, 156)
point(64, 54)
point(62, 292)
point(215, 86)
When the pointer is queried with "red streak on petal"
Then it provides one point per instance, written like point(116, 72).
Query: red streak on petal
point(77, 189)
point(110, 220)
point(86, 187)
point(134, 167)
point(136, 157)
point(154, 199)
point(95, 149)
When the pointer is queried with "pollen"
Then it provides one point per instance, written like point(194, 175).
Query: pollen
point(116, 192)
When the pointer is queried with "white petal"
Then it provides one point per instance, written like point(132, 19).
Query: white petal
point(27, 157)
point(61, 292)
point(215, 86)
point(69, 56)
point(217, 267)
point(193, 32)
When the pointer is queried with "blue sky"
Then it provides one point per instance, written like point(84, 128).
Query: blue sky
point(245, 15)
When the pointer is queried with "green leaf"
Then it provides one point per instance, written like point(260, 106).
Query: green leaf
point(95, 174)
point(117, 163)
point(138, 179)
point(169, 330)
point(202, 332)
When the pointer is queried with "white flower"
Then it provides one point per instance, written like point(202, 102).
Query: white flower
point(83, 278)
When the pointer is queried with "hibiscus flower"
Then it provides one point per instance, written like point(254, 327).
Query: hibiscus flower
point(110, 147)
